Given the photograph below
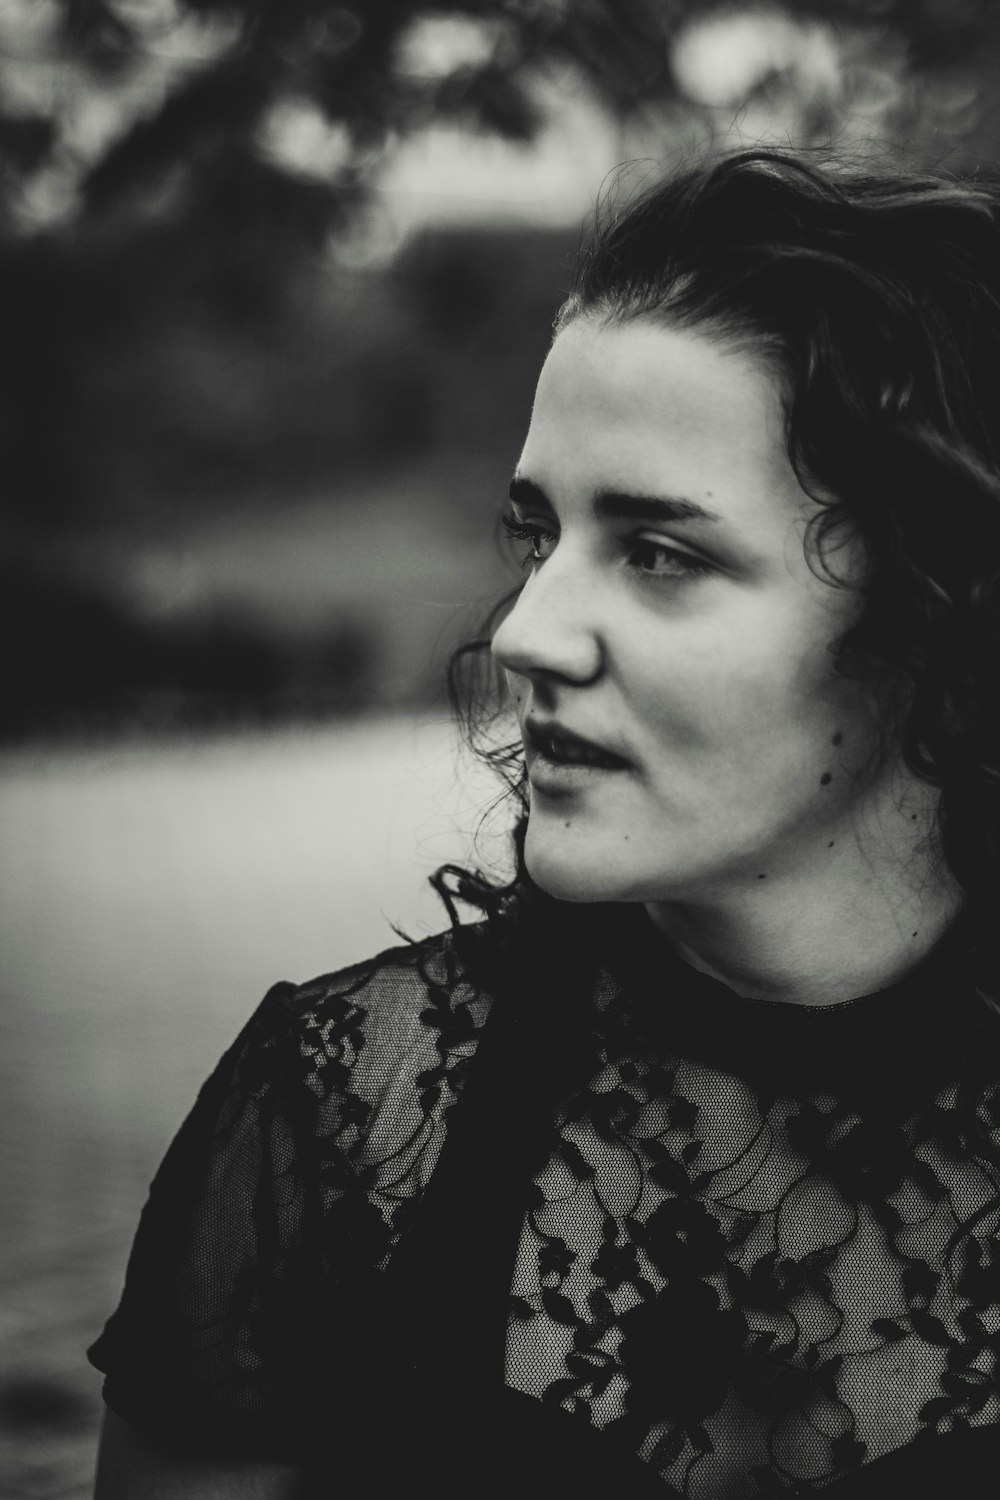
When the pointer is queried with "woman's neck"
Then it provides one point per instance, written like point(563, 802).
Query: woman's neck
point(817, 936)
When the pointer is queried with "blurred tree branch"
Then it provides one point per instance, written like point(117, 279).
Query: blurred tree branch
point(112, 104)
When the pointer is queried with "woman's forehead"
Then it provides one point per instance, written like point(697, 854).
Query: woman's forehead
point(649, 370)
point(638, 404)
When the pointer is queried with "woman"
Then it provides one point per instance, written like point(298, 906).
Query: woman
point(680, 1171)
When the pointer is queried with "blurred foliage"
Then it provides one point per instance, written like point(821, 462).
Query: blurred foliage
point(87, 664)
point(172, 401)
point(108, 103)
point(204, 322)
point(171, 371)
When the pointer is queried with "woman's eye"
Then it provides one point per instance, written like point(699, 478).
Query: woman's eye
point(659, 560)
point(653, 559)
point(520, 531)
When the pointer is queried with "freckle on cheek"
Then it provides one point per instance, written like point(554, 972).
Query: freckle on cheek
point(837, 738)
point(825, 779)
point(761, 877)
point(831, 843)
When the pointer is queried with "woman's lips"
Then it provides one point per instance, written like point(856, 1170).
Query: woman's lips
point(562, 778)
point(557, 741)
point(558, 755)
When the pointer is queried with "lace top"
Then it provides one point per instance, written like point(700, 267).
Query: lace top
point(560, 1199)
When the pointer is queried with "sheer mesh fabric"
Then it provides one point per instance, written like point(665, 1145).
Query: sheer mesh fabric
point(760, 1243)
point(763, 1289)
point(290, 1181)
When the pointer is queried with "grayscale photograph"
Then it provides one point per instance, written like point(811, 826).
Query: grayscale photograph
point(500, 750)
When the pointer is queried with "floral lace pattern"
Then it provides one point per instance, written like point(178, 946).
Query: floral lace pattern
point(761, 1245)
point(762, 1292)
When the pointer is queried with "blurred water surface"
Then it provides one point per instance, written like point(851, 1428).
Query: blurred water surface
point(149, 895)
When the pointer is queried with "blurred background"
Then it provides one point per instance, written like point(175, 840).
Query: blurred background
point(276, 277)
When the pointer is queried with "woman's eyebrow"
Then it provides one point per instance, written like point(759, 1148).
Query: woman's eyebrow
point(619, 505)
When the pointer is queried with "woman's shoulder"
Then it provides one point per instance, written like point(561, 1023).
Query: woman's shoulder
point(384, 1039)
point(398, 999)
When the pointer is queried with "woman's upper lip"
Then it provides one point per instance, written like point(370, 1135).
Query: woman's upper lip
point(540, 730)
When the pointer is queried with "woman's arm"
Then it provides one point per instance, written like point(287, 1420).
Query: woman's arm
point(133, 1464)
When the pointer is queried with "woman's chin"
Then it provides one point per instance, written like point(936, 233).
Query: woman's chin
point(584, 871)
point(567, 879)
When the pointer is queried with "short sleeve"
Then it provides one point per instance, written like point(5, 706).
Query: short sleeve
point(279, 1200)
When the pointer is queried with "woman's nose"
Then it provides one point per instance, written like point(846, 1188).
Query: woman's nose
point(551, 629)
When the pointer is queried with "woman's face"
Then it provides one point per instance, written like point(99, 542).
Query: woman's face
point(673, 619)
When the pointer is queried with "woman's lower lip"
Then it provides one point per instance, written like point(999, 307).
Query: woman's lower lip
point(563, 776)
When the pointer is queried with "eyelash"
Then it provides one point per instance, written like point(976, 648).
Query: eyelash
point(521, 531)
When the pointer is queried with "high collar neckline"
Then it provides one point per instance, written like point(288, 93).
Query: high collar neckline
point(639, 936)
point(900, 1036)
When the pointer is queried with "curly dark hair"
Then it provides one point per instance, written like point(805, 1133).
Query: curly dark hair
point(876, 293)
